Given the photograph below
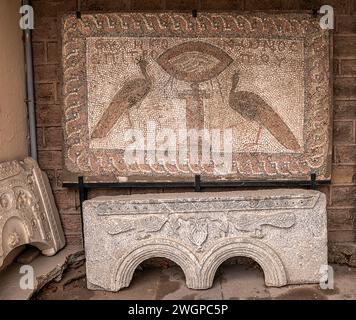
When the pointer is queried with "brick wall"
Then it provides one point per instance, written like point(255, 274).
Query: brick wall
point(342, 192)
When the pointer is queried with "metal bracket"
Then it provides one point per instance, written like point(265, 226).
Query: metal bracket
point(197, 183)
point(313, 181)
point(78, 12)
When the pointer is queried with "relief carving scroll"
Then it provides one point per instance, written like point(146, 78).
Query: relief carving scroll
point(28, 214)
point(257, 84)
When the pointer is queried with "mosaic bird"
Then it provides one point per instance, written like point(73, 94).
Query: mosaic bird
point(131, 94)
point(253, 108)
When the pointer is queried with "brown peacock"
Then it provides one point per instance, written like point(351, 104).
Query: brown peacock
point(132, 93)
point(253, 108)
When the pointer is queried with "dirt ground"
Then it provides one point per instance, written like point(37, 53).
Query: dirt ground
point(232, 281)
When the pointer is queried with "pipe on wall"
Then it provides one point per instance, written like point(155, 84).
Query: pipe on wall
point(30, 88)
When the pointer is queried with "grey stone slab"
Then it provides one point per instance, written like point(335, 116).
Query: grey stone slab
point(283, 230)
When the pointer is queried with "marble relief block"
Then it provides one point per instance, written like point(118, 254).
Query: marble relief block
point(284, 231)
point(28, 214)
point(262, 81)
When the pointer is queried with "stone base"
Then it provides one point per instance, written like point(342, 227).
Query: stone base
point(284, 231)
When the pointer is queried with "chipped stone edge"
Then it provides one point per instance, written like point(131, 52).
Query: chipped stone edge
point(56, 274)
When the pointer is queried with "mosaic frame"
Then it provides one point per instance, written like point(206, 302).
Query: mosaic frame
point(80, 160)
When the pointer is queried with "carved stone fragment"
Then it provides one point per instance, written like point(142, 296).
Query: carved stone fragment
point(28, 214)
point(283, 230)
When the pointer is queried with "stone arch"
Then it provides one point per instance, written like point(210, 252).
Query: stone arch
point(157, 248)
point(264, 255)
point(14, 233)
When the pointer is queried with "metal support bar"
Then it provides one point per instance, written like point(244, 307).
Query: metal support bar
point(83, 192)
point(203, 184)
point(83, 195)
point(197, 184)
point(30, 89)
point(313, 181)
point(78, 12)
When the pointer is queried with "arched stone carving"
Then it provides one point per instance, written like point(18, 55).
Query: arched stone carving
point(284, 231)
point(172, 250)
point(264, 255)
point(28, 214)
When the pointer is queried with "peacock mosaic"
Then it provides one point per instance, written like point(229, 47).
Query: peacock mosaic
point(259, 82)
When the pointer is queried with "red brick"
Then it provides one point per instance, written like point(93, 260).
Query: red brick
point(345, 154)
point(343, 196)
point(348, 67)
point(39, 53)
point(40, 138)
point(344, 46)
point(341, 236)
point(53, 138)
point(74, 239)
point(336, 66)
point(222, 5)
point(50, 159)
point(45, 93)
point(50, 115)
point(66, 201)
point(340, 6)
point(105, 5)
point(182, 4)
point(345, 110)
point(147, 5)
point(72, 224)
point(345, 88)
point(346, 24)
point(53, 52)
point(52, 8)
point(45, 29)
point(341, 219)
point(343, 132)
point(107, 192)
point(263, 5)
point(343, 174)
point(46, 73)
point(58, 91)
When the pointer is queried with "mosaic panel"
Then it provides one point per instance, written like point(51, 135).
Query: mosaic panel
point(255, 85)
